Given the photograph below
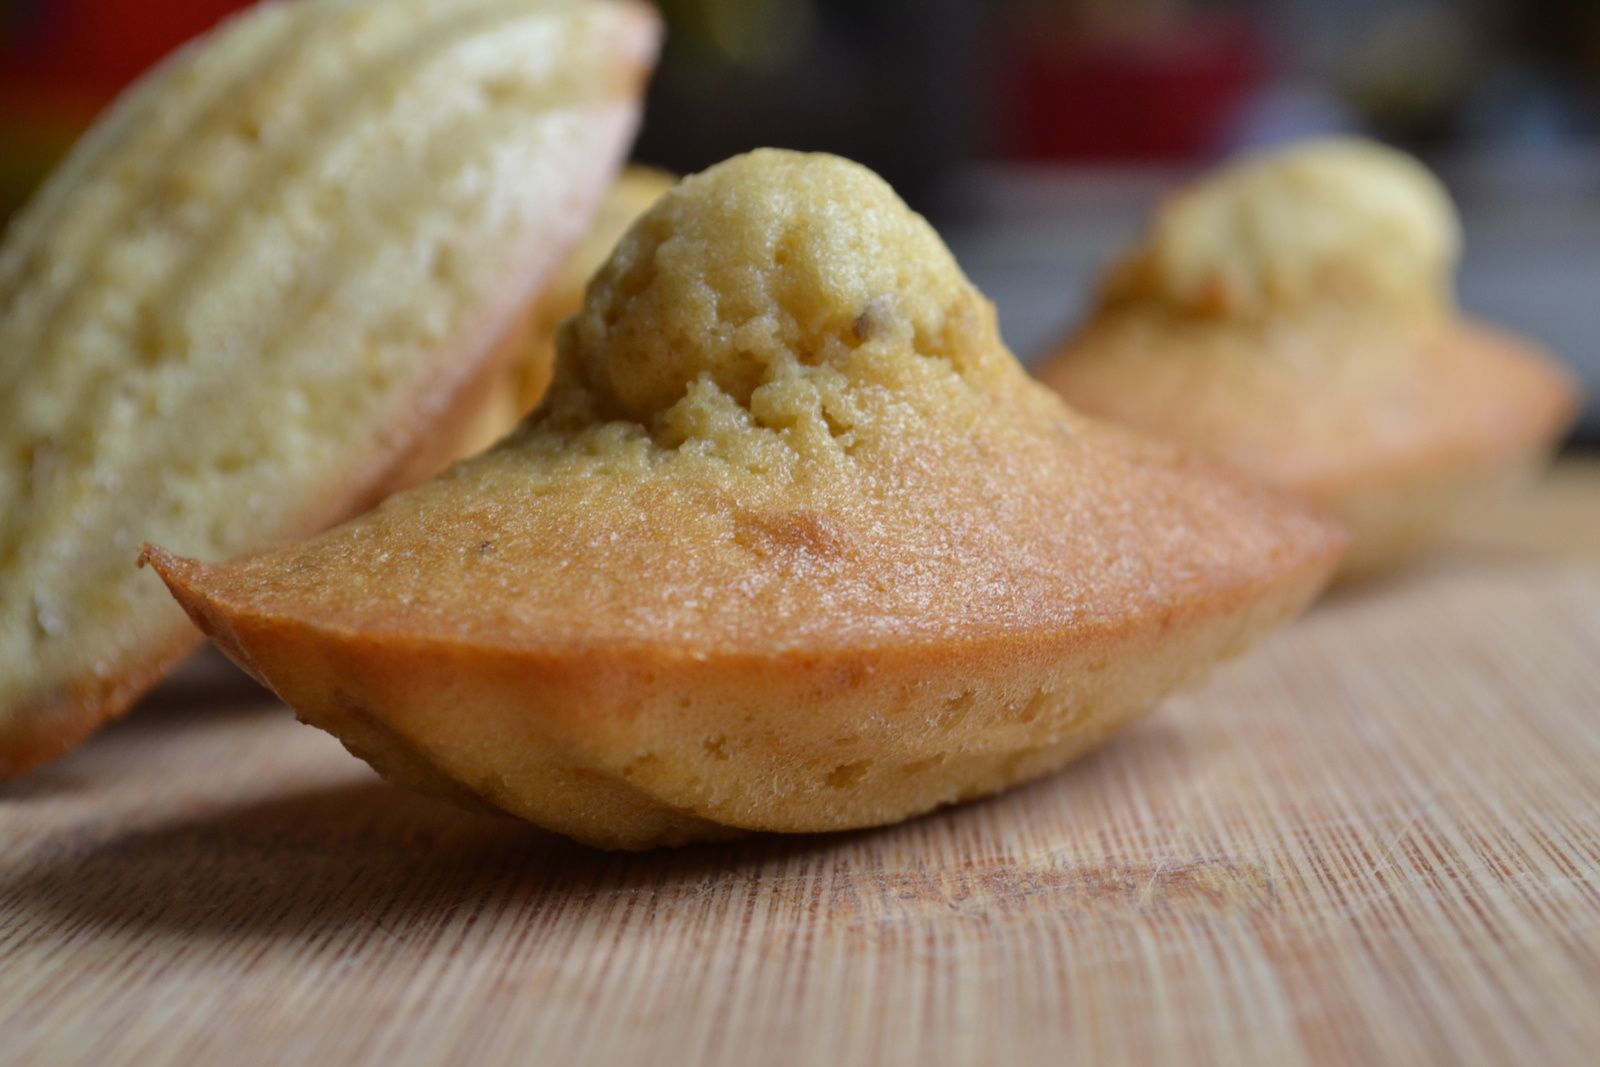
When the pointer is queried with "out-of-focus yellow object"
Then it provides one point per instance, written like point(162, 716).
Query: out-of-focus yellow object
point(1272, 233)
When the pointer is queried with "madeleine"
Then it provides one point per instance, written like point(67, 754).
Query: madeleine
point(793, 544)
point(1293, 315)
point(266, 288)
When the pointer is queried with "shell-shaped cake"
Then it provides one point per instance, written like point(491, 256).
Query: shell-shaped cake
point(267, 286)
point(793, 544)
point(1294, 315)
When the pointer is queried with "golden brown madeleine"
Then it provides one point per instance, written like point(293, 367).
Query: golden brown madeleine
point(794, 544)
point(520, 387)
point(1294, 315)
point(262, 289)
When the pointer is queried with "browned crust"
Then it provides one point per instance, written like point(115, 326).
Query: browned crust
point(1392, 522)
point(1470, 402)
point(223, 612)
point(398, 701)
point(1522, 399)
point(37, 734)
point(427, 438)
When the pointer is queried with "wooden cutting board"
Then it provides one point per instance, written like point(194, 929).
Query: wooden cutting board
point(1375, 839)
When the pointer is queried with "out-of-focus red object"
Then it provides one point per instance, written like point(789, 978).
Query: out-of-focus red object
point(1163, 96)
point(92, 48)
point(62, 61)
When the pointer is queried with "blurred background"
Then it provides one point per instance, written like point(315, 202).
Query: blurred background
point(1038, 133)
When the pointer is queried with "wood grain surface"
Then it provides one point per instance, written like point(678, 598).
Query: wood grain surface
point(1376, 839)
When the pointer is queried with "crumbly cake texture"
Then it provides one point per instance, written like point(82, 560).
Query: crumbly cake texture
point(1294, 315)
point(264, 288)
point(636, 191)
point(518, 390)
point(794, 544)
